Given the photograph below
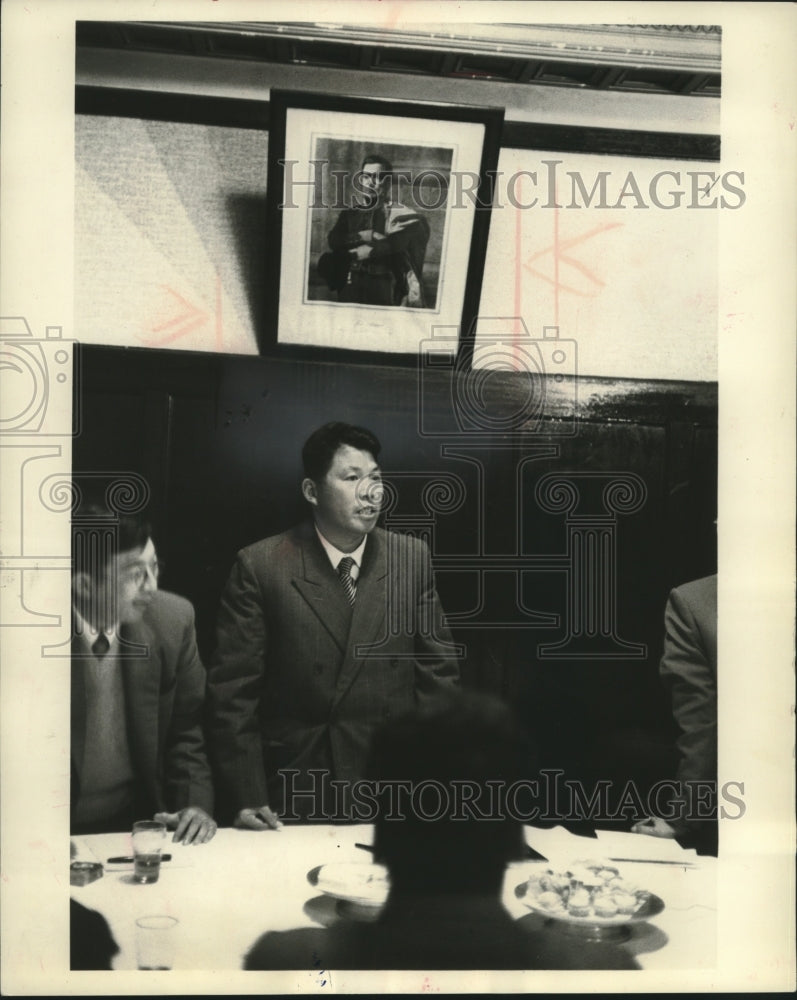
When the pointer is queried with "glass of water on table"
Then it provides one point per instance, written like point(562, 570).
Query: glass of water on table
point(149, 837)
point(155, 942)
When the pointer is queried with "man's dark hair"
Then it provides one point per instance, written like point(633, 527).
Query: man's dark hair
point(319, 449)
point(467, 739)
point(98, 534)
point(385, 164)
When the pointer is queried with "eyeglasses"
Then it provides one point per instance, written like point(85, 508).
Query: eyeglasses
point(138, 574)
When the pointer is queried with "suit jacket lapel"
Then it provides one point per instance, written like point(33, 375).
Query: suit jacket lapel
point(370, 605)
point(142, 682)
point(317, 583)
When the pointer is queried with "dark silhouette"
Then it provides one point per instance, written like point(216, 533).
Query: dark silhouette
point(446, 871)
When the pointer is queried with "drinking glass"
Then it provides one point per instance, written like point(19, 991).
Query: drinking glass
point(148, 840)
point(155, 942)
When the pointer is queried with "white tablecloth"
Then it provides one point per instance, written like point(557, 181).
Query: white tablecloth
point(225, 894)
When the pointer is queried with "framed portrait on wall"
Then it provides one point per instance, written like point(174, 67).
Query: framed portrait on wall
point(378, 218)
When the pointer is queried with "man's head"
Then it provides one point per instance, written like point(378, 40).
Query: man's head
point(374, 178)
point(114, 567)
point(343, 482)
point(455, 831)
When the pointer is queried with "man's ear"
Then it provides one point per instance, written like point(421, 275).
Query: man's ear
point(309, 492)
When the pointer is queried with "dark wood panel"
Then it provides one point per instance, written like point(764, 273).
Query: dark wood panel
point(200, 109)
point(157, 105)
point(218, 440)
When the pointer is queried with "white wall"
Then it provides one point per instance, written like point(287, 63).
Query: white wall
point(170, 229)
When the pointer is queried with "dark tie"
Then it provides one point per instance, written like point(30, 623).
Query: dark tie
point(100, 646)
point(344, 572)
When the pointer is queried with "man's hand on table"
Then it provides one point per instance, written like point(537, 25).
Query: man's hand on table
point(655, 826)
point(191, 825)
point(261, 818)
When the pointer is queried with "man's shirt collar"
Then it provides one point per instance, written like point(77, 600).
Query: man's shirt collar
point(88, 634)
point(335, 555)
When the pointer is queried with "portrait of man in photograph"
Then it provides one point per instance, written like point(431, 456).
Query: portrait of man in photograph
point(378, 228)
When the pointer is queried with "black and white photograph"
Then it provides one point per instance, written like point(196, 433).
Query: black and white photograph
point(397, 431)
point(376, 246)
point(387, 203)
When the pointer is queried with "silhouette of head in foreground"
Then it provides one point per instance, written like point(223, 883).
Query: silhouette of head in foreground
point(453, 832)
point(446, 840)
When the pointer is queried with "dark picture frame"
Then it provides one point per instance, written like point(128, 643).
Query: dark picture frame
point(423, 268)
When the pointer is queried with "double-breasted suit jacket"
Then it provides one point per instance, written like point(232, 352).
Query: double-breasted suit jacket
point(300, 679)
point(164, 691)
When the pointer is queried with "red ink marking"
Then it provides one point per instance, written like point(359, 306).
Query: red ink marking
point(188, 319)
point(556, 257)
point(391, 21)
point(557, 249)
point(219, 329)
point(518, 256)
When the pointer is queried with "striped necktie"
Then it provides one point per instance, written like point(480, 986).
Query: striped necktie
point(344, 572)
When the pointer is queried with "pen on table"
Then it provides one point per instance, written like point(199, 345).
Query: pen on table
point(129, 861)
point(654, 861)
point(530, 852)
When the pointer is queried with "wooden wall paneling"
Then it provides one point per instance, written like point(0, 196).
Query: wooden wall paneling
point(156, 432)
point(218, 440)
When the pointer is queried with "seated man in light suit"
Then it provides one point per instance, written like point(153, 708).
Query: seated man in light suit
point(688, 670)
point(138, 689)
point(324, 631)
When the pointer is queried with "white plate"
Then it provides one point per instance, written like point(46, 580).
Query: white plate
point(650, 908)
point(363, 884)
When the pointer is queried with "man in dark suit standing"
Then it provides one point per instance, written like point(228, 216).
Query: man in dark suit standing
point(688, 671)
point(138, 688)
point(324, 632)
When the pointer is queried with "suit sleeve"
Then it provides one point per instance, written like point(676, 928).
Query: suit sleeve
point(436, 666)
point(343, 236)
point(235, 684)
point(187, 778)
point(412, 237)
point(687, 674)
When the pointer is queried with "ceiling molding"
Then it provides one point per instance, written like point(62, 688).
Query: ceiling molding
point(670, 59)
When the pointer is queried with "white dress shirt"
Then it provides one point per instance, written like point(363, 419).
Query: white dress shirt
point(335, 555)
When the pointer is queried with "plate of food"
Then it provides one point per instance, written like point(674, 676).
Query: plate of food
point(361, 885)
point(591, 897)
